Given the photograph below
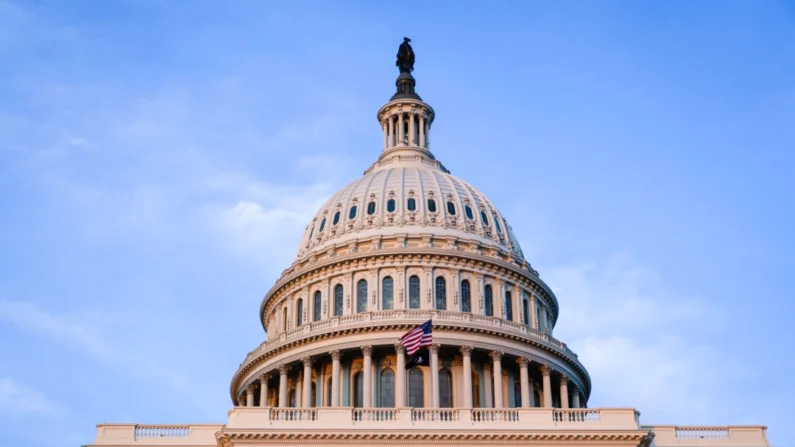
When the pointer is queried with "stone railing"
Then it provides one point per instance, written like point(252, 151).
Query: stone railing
point(696, 436)
point(701, 432)
point(161, 431)
point(411, 316)
point(157, 435)
point(575, 415)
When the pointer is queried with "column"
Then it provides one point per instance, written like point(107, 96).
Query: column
point(250, 395)
point(564, 392)
point(335, 378)
point(385, 127)
point(427, 134)
point(533, 316)
point(400, 378)
point(263, 390)
point(466, 352)
point(391, 140)
point(412, 130)
point(299, 389)
point(545, 370)
point(575, 399)
point(283, 386)
point(422, 130)
point(524, 381)
point(307, 391)
point(488, 401)
point(368, 381)
point(400, 129)
point(496, 357)
point(241, 400)
point(434, 376)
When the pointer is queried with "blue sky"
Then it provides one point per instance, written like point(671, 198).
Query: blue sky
point(159, 161)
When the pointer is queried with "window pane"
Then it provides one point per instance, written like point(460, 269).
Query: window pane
point(431, 205)
point(390, 205)
point(338, 300)
point(322, 225)
point(451, 208)
point(468, 211)
point(508, 306)
point(311, 231)
point(416, 392)
point(525, 312)
point(414, 292)
point(485, 219)
point(371, 208)
point(388, 293)
point(299, 317)
point(352, 214)
point(445, 389)
point(497, 224)
point(292, 398)
point(517, 395)
point(441, 293)
point(387, 388)
point(318, 306)
point(361, 296)
point(488, 307)
point(466, 300)
point(358, 392)
point(412, 204)
point(336, 218)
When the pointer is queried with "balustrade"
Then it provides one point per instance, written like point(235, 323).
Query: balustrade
point(494, 415)
point(375, 414)
point(701, 433)
point(434, 415)
point(576, 415)
point(161, 431)
point(293, 414)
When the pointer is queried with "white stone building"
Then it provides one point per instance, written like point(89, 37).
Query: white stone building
point(406, 243)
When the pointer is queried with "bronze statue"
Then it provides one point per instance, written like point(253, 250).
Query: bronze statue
point(405, 57)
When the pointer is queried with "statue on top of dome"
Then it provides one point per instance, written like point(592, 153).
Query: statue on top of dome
point(405, 57)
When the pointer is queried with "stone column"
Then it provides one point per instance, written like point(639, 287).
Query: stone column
point(385, 126)
point(250, 395)
point(412, 130)
point(263, 390)
point(400, 378)
point(488, 400)
point(391, 141)
point(335, 378)
point(434, 376)
point(524, 381)
point(422, 130)
point(307, 391)
point(466, 352)
point(401, 126)
point(427, 134)
point(299, 389)
point(241, 400)
point(533, 316)
point(575, 399)
point(496, 357)
point(368, 380)
point(545, 370)
point(564, 392)
point(283, 386)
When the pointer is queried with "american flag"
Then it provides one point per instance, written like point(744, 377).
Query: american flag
point(418, 337)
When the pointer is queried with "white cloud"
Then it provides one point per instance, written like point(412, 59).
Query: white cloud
point(16, 399)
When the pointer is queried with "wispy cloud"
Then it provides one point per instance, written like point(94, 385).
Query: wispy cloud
point(18, 399)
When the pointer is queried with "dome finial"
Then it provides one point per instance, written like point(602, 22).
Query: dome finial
point(405, 82)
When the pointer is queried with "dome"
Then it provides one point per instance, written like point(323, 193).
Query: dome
point(408, 198)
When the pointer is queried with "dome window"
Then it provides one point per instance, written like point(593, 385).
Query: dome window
point(468, 212)
point(411, 205)
point(322, 225)
point(497, 224)
point(371, 208)
point(431, 205)
point(484, 218)
point(451, 208)
point(336, 218)
point(352, 214)
point(311, 232)
point(390, 205)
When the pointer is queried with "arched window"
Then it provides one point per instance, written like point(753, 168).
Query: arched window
point(411, 205)
point(352, 213)
point(414, 292)
point(466, 298)
point(322, 225)
point(387, 293)
point(284, 319)
point(441, 293)
point(371, 208)
point(475, 390)
point(311, 231)
point(451, 208)
point(338, 300)
point(508, 306)
point(361, 296)
point(526, 312)
point(468, 212)
point(431, 205)
point(416, 388)
point(299, 313)
point(488, 302)
point(387, 389)
point(484, 218)
point(517, 395)
point(292, 398)
point(318, 306)
point(358, 390)
point(390, 206)
point(336, 218)
point(445, 389)
point(497, 224)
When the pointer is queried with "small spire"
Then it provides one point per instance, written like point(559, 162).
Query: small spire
point(405, 82)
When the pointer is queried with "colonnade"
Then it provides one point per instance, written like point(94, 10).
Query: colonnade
point(304, 394)
point(406, 129)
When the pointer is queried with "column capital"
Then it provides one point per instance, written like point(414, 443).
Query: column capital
point(264, 377)
point(250, 388)
point(522, 362)
point(283, 370)
point(307, 361)
point(545, 370)
point(367, 350)
point(496, 355)
point(400, 349)
point(466, 351)
point(335, 355)
point(435, 348)
point(564, 380)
